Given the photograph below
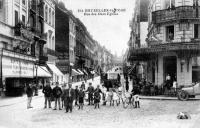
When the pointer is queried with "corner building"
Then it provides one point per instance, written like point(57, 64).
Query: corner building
point(173, 41)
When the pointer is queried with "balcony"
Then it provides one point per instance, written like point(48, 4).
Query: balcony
point(43, 59)
point(177, 14)
point(51, 52)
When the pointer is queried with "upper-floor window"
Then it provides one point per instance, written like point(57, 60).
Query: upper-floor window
point(169, 4)
point(23, 19)
point(196, 30)
point(31, 21)
point(24, 2)
point(53, 43)
point(16, 17)
point(1, 4)
point(53, 18)
point(46, 13)
point(49, 15)
point(169, 33)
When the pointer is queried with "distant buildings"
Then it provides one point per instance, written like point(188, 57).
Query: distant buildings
point(79, 55)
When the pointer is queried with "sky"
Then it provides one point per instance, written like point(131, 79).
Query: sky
point(113, 32)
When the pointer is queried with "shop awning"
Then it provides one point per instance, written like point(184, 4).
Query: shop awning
point(55, 69)
point(42, 72)
point(75, 73)
point(81, 73)
point(85, 71)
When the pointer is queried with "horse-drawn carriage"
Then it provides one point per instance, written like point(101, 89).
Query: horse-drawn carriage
point(111, 80)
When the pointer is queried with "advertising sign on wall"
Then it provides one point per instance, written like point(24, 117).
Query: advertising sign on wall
point(12, 67)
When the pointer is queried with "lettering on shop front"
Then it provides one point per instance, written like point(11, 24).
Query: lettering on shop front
point(16, 67)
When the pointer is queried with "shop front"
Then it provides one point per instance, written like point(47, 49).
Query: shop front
point(17, 72)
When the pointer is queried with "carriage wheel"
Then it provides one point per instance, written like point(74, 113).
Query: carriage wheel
point(183, 95)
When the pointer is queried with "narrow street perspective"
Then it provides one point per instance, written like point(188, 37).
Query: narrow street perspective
point(100, 63)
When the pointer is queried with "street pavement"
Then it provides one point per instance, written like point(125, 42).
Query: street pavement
point(152, 114)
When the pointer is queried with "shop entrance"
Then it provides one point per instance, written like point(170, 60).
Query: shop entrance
point(170, 68)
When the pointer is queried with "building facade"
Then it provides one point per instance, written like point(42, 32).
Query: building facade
point(173, 41)
point(21, 42)
point(49, 28)
point(65, 41)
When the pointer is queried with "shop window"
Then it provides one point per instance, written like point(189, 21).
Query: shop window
point(23, 19)
point(169, 33)
point(196, 31)
point(16, 17)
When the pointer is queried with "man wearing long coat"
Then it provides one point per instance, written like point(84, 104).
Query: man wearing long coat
point(69, 95)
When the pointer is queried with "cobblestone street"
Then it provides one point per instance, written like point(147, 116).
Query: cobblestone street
point(154, 114)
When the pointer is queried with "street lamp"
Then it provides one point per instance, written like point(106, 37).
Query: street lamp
point(36, 79)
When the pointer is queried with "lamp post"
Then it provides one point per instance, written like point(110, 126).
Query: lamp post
point(36, 80)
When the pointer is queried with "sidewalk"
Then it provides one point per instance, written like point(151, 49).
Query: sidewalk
point(165, 98)
point(8, 101)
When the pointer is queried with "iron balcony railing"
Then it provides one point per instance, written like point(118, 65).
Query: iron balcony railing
point(177, 13)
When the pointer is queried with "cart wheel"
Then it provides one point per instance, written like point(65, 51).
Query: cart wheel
point(183, 95)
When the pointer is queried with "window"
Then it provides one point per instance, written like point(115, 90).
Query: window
point(23, 19)
point(50, 40)
point(53, 18)
point(31, 20)
point(40, 27)
point(16, 17)
point(24, 2)
point(167, 4)
point(49, 15)
point(46, 13)
point(196, 31)
point(169, 33)
point(1, 4)
point(53, 44)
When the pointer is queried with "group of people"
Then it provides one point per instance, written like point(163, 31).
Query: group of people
point(65, 96)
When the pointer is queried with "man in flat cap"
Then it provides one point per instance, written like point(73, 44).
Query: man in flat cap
point(69, 95)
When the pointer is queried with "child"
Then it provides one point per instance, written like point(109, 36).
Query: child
point(81, 95)
point(137, 101)
point(115, 98)
point(97, 98)
point(110, 96)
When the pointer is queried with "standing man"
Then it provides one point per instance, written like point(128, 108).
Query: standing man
point(90, 91)
point(76, 96)
point(127, 84)
point(83, 85)
point(47, 95)
point(57, 92)
point(118, 78)
point(69, 95)
point(29, 92)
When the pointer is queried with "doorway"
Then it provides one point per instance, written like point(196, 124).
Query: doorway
point(170, 67)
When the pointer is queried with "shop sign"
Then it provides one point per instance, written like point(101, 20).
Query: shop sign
point(12, 67)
